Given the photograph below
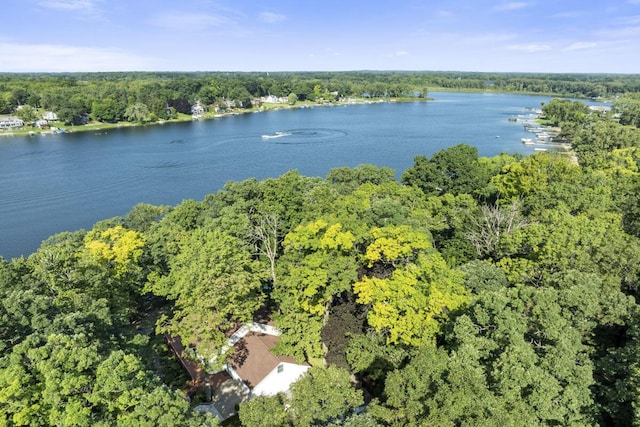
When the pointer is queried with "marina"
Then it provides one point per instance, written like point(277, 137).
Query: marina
point(546, 136)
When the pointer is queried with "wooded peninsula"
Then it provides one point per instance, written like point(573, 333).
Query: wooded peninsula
point(472, 291)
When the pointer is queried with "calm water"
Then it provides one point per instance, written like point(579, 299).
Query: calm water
point(55, 183)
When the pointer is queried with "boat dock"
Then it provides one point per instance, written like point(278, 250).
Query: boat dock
point(545, 136)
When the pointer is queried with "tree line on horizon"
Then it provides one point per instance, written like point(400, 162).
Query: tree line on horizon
point(152, 96)
point(474, 291)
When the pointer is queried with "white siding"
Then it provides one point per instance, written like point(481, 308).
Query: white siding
point(276, 382)
point(11, 122)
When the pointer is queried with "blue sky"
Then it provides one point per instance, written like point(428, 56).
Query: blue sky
point(328, 35)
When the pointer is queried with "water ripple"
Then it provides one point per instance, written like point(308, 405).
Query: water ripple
point(308, 136)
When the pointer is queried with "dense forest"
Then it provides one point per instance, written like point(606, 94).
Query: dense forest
point(149, 97)
point(474, 291)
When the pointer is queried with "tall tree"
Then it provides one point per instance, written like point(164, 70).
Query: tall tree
point(409, 286)
point(215, 284)
point(137, 112)
point(453, 170)
point(323, 395)
point(265, 235)
point(318, 265)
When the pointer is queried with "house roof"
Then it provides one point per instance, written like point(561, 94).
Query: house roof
point(252, 358)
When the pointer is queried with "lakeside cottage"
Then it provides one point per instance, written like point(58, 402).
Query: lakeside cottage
point(272, 99)
point(251, 370)
point(41, 123)
point(197, 110)
point(255, 365)
point(10, 122)
point(50, 116)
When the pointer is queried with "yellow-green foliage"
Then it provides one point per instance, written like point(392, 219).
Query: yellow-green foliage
point(396, 244)
point(625, 161)
point(321, 246)
point(319, 235)
point(533, 174)
point(117, 247)
point(410, 305)
point(334, 238)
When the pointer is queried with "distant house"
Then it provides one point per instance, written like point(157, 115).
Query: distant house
point(50, 116)
point(272, 99)
point(42, 123)
point(600, 108)
point(197, 110)
point(10, 122)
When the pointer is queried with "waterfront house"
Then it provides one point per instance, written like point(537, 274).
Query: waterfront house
point(197, 110)
point(41, 123)
point(272, 99)
point(10, 122)
point(50, 116)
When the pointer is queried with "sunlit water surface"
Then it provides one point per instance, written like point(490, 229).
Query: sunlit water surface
point(54, 183)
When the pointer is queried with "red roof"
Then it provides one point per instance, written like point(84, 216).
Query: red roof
point(252, 358)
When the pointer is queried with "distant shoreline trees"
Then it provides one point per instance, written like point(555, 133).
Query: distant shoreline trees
point(114, 97)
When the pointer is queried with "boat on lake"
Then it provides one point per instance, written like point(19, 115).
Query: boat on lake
point(276, 135)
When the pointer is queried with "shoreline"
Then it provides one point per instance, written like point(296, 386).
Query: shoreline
point(102, 126)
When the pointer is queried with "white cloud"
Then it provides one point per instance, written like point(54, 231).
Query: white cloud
point(620, 32)
point(531, 47)
point(84, 9)
point(582, 45)
point(18, 57)
point(512, 6)
point(396, 54)
point(82, 5)
point(183, 21)
point(630, 20)
point(488, 38)
point(444, 14)
point(568, 14)
point(327, 52)
point(272, 18)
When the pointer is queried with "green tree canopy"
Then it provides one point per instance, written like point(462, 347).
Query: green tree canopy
point(409, 286)
point(453, 170)
point(320, 397)
point(215, 284)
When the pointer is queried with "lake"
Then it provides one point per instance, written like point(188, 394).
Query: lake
point(64, 182)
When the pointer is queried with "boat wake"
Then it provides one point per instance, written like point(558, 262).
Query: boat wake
point(276, 135)
point(305, 136)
